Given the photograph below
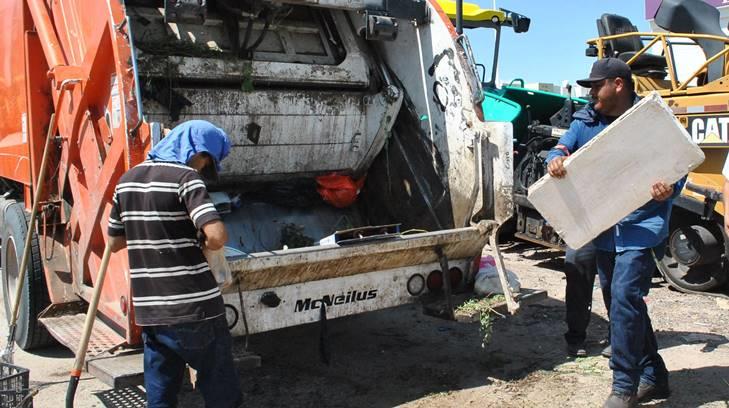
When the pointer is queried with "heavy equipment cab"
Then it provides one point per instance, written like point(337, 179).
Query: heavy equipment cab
point(686, 65)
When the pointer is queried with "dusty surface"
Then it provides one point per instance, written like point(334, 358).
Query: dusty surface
point(401, 357)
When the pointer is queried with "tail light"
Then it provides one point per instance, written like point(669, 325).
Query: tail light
point(435, 281)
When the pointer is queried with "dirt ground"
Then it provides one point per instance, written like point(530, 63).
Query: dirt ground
point(400, 357)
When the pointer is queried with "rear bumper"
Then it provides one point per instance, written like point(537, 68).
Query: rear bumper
point(296, 266)
point(293, 287)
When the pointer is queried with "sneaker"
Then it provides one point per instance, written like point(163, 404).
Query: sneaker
point(577, 350)
point(647, 392)
point(617, 400)
point(607, 352)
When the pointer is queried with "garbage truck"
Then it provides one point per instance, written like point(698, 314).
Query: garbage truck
point(381, 95)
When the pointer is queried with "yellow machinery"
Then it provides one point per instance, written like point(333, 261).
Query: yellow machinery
point(698, 92)
point(473, 14)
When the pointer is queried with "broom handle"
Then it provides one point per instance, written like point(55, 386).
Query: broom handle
point(88, 325)
point(31, 224)
point(91, 312)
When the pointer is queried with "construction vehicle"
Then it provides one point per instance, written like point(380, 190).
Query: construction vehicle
point(382, 93)
point(537, 118)
point(696, 253)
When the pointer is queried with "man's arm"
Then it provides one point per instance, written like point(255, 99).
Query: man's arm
point(215, 235)
point(206, 219)
point(116, 231)
point(117, 242)
point(567, 145)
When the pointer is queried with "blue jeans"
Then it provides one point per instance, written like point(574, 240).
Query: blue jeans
point(580, 268)
point(635, 356)
point(206, 347)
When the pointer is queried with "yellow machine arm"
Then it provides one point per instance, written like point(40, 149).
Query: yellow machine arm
point(473, 14)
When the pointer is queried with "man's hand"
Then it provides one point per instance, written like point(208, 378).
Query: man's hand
point(556, 167)
point(661, 191)
point(215, 235)
point(117, 243)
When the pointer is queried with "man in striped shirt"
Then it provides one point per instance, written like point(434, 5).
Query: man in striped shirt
point(159, 209)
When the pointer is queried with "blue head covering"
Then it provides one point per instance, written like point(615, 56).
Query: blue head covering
point(190, 138)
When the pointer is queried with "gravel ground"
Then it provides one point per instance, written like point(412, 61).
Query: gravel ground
point(400, 357)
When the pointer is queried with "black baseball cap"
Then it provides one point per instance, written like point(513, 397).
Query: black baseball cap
point(606, 68)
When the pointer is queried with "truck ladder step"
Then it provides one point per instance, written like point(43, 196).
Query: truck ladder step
point(67, 329)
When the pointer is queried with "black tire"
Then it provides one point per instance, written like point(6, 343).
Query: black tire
point(697, 278)
point(29, 333)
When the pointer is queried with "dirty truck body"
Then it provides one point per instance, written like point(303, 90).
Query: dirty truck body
point(304, 88)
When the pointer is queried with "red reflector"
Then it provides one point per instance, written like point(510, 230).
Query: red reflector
point(456, 277)
point(123, 305)
point(435, 280)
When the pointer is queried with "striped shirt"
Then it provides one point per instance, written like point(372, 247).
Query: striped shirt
point(159, 207)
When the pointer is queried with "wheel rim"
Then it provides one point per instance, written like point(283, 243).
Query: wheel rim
point(11, 273)
point(690, 262)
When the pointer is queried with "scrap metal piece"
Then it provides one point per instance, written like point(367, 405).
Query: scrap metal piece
point(186, 11)
point(511, 304)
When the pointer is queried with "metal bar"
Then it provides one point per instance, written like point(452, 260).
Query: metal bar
point(459, 17)
point(600, 48)
point(669, 62)
point(663, 35)
point(443, 259)
point(643, 51)
point(88, 325)
point(46, 32)
point(495, 66)
point(511, 304)
point(137, 86)
point(31, 223)
point(701, 68)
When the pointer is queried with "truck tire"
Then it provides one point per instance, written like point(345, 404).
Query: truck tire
point(694, 259)
point(29, 333)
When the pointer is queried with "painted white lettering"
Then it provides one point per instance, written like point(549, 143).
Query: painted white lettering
point(697, 131)
point(712, 130)
point(724, 122)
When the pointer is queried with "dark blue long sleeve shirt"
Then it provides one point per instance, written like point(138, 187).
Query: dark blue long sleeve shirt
point(646, 227)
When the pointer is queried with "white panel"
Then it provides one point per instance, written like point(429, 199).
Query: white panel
point(302, 303)
point(612, 175)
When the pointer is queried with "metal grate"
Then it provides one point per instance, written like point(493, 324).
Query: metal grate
point(67, 329)
point(130, 397)
point(14, 387)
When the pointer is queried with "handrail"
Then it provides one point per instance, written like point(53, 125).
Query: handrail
point(644, 34)
point(666, 45)
point(701, 68)
point(643, 51)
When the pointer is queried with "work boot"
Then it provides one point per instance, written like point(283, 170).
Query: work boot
point(607, 352)
point(647, 392)
point(617, 400)
point(576, 350)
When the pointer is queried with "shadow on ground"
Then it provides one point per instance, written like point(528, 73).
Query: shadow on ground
point(387, 358)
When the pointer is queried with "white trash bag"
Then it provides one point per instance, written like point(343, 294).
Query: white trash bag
point(487, 279)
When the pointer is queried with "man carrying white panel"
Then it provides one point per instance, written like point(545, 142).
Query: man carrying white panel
point(624, 251)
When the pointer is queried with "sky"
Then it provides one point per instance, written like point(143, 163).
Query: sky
point(554, 48)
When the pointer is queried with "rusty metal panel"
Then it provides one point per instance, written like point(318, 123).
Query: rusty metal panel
point(278, 132)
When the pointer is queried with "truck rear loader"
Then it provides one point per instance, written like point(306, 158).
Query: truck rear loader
point(381, 93)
